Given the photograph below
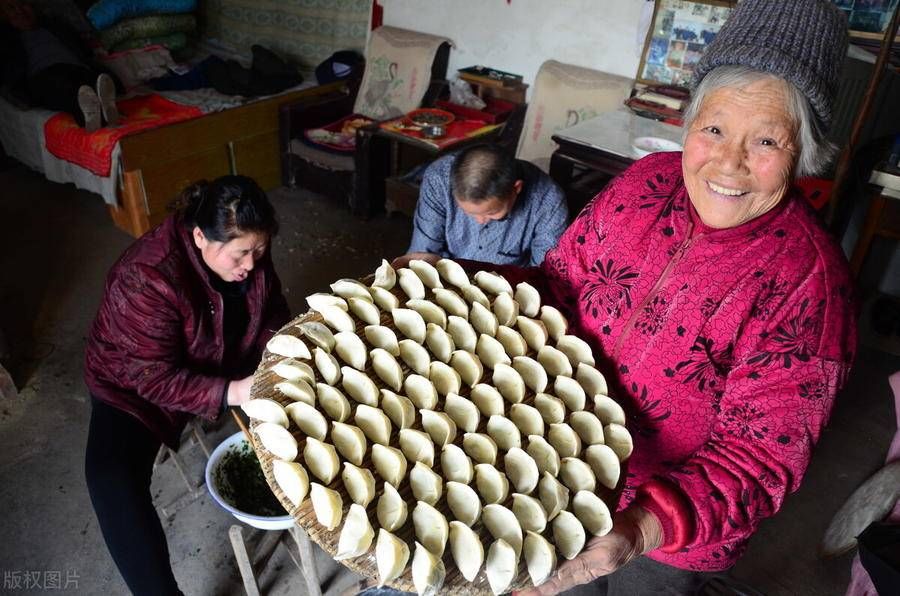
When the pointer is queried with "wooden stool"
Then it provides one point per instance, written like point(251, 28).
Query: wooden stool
point(251, 566)
point(192, 436)
point(882, 217)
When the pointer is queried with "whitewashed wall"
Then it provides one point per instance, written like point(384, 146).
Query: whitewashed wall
point(518, 36)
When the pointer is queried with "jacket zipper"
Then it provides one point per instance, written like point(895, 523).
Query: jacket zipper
point(679, 253)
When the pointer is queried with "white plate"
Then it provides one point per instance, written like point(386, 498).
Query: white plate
point(646, 145)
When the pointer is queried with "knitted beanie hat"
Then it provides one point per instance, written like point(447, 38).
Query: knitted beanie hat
point(802, 41)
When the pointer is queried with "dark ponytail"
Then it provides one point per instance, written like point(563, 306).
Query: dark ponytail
point(227, 207)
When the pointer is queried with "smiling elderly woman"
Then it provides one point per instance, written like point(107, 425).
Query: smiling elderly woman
point(721, 307)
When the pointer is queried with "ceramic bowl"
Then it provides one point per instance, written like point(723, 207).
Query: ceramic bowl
point(646, 145)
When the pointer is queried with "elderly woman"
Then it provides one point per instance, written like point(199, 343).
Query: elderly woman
point(722, 307)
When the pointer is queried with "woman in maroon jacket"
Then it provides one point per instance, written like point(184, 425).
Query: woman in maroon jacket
point(184, 318)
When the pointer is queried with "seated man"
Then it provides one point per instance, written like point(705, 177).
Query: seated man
point(482, 204)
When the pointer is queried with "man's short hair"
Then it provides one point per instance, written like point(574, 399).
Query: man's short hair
point(483, 172)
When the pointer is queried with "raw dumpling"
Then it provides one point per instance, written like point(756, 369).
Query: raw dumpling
point(505, 309)
point(527, 419)
point(266, 410)
point(512, 341)
point(605, 464)
point(417, 446)
point(385, 276)
point(463, 412)
point(480, 447)
point(297, 390)
point(398, 408)
point(503, 525)
point(411, 284)
point(439, 342)
point(349, 441)
point(488, 399)
point(426, 485)
point(451, 302)
point(431, 527)
point(288, 346)
point(492, 283)
point(327, 505)
point(592, 512)
point(374, 423)
point(554, 496)
point(521, 470)
point(308, 419)
point(439, 426)
point(529, 512)
point(591, 379)
point(350, 288)
point(384, 299)
point(528, 298)
point(410, 323)
point(456, 465)
point(483, 320)
point(431, 312)
point(554, 321)
point(502, 566)
point(577, 475)
point(467, 550)
point(608, 410)
point(351, 349)
point(291, 479)
point(391, 556)
point(568, 534)
point(504, 432)
point(564, 439)
point(356, 535)
point(540, 557)
point(588, 427)
point(534, 332)
point(291, 370)
point(364, 310)
point(544, 455)
point(576, 349)
point(473, 294)
point(415, 356)
point(554, 362)
point(321, 460)
point(360, 484)
point(318, 333)
point(468, 366)
point(531, 372)
point(391, 509)
point(390, 463)
point(452, 272)
point(552, 410)
point(444, 378)
point(359, 386)
point(420, 391)
point(317, 301)
point(462, 333)
point(463, 502)
point(619, 440)
point(333, 402)
point(492, 484)
point(387, 368)
point(328, 366)
point(491, 351)
point(428, 572)
point(571, 392)
point(509, 383)
point(427, 273)
point(337, 318)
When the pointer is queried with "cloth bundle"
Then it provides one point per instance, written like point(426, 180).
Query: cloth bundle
point(106, 13)
point(135, 24)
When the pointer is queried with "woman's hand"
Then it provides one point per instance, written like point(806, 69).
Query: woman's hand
point(635, 532)
point(405, 259)
point(239, 391)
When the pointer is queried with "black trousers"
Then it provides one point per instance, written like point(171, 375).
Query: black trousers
point(118, 467)
point(56, 88)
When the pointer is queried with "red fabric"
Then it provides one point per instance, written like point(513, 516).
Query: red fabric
point(93, 151)
point(674, 513)
point(726, 348)
point(156, 348)
point(457, 131)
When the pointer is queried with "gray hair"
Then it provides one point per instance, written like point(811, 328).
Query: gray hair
point(816, 152)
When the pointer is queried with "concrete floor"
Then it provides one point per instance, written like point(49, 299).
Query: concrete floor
point(55, 249)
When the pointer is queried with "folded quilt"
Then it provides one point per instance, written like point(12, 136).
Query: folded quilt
point(107, 13)
point(149, 26)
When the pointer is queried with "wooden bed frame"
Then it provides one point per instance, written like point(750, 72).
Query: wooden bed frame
point(159, 163)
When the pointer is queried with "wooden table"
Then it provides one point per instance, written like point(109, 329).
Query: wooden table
point(882, 216)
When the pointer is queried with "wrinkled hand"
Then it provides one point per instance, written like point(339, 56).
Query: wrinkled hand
point(239, 391)
point(405, 259)
point(635, 532)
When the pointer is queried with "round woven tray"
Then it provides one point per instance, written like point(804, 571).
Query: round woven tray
point(264, 381)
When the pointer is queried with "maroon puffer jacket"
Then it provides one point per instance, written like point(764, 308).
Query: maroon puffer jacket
point(156, 347)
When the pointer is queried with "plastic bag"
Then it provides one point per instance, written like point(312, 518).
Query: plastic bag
point(461, 94)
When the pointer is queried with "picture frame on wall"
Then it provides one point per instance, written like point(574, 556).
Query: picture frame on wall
point(867, 19)
point(679, 32)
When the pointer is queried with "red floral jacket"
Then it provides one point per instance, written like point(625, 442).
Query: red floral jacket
point(726, 348)
point(156, 348)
